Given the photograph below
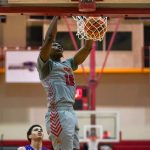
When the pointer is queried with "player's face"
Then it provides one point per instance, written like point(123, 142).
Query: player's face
point(57, 50)
point(37, 133)
point(56, 46)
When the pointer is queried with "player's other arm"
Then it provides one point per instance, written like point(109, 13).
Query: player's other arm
point(83, 53)
point(49, 38)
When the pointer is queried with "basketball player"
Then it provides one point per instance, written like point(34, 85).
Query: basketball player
point(35, 138)
point(58, 80)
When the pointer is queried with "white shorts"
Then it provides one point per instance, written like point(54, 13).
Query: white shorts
point(68, 138)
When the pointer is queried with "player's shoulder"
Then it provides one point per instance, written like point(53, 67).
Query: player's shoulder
point(69, 60)
point(21, 148)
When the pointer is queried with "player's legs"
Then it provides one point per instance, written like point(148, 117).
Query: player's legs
point(66, 142)
point(68, 122)
point(76, 144)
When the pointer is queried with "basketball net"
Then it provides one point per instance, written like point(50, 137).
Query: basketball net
point(91, 28)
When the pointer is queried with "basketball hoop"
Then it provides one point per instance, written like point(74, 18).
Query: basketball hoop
point(92, 138)
point(93, 135)
point(93, 143)
point(87, 5)
point(91, 28)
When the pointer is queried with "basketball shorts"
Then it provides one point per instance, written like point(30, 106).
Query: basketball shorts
point(68, 138)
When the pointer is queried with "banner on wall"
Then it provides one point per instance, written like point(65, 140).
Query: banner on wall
point(21, 67)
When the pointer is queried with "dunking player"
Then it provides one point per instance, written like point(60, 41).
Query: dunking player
point(58, 80)
point(35, 137)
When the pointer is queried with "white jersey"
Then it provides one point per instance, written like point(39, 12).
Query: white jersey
point(58, 80)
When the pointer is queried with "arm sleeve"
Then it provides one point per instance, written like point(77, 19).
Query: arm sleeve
point(73, 66)
point(44, 68)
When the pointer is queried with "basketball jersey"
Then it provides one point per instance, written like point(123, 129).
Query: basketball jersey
point(58, 81)
point(28, 147)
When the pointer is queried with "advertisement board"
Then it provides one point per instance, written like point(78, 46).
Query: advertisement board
point(21, 67)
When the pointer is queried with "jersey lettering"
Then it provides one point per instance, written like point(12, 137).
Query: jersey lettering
point(69, 80)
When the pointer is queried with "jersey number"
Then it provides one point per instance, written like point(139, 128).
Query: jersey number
point(69, 80)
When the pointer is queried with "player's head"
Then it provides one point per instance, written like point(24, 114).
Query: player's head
point(56, 51)
point(35, 132)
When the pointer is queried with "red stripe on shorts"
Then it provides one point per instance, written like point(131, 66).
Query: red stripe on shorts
point(55, 125)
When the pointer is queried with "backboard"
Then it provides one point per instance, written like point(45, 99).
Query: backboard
point(102, 125)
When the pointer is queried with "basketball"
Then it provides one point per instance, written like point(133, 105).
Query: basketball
point(95, 28)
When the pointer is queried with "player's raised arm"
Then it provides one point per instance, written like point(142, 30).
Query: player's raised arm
point(49, 38)
point(83, 53)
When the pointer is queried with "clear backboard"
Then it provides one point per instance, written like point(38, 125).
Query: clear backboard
point(104, 126)
point(98, 127)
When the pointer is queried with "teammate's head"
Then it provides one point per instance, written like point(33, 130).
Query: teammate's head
point(56, 51)
point(35, 131)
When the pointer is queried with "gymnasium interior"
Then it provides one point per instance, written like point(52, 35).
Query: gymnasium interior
point(113, 83)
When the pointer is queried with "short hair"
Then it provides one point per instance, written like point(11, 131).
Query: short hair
point(30, 130)
point(59, 42)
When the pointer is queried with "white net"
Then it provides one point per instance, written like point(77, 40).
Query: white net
point(93, 28)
